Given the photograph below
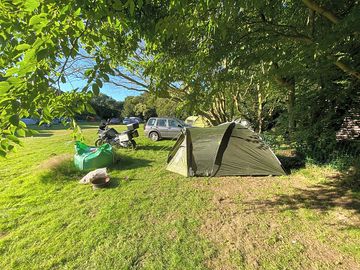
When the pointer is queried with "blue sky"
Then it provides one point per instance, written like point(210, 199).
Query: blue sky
point(116, 92)
point(75, 79)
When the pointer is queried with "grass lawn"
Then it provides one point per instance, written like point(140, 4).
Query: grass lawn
point(150, 218)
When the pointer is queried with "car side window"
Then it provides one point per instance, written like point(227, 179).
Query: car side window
point(161, 123)
point(173, 123)
point(151, 122)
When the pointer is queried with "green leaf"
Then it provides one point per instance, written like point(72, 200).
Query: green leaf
point(14, 120)
point(4, 144)
point(13, 138)
point(140, 3)
point(46, 113)
point(4, 87)
point(77, 12)
point(33, 132)
point(36, 19)
point(41, 54)
point(11, 71)
point(117, 5)
point(22, 47)
point(2, 153)
point(63, 79)
point(95, 89)
point(99, 83)
point(88, 72)
point(106, 77)
point(31, 5)
point(90, 108)
point(132, 7)
point(20, 132)
point(22, 124)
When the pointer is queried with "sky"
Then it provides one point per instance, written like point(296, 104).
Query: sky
point(116, 92)
point(74, 81)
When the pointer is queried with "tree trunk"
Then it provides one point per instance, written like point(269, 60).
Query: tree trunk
point(215, 116)
point(260, 109)
point(209, 117)
point(291, 106)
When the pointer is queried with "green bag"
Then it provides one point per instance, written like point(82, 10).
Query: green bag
point(87, 157)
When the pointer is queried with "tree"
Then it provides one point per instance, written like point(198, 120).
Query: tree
point(198, 53)
point(106, 107)
point(148, 105)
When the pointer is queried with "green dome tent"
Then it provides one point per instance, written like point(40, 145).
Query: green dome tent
point(224, 150)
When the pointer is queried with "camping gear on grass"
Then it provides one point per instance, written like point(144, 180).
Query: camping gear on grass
point(224, 150)
point(98, 178)
point(95, 174)
point(87, 157)
point(124, 139)
point(100, 182)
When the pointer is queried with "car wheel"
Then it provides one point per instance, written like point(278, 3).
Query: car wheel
point(154, 136)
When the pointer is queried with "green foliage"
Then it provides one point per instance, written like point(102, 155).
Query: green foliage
point(106, 107)
point(135, 106)
point(148, 105)
point(224, 60)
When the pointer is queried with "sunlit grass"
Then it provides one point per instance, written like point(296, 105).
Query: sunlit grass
point(152, 219)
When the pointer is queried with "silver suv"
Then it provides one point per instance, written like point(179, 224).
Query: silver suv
point(157, 128)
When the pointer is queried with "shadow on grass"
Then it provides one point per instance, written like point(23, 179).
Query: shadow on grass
point(42, 134)
point(341, 190)
point(124, 162)
point(95, 126)
point(154, 147)
point(114, 182)
point(291, 160)
point(85, 125)
point(62, 169)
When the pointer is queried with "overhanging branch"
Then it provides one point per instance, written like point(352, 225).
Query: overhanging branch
point(322, 11)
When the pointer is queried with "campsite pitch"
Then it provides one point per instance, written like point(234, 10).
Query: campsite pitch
point(150, 218)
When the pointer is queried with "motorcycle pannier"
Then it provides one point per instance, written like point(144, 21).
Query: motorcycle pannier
point(132, 126)
point(123, 137)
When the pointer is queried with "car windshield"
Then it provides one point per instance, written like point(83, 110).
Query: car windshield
point(183, 123)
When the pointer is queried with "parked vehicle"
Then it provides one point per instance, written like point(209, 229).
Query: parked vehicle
point(110, 135)
point(30, 121)
point(157, 128)
point(132, 119)
point(115, 121)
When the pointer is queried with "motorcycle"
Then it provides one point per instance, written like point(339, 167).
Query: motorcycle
point(110, 135)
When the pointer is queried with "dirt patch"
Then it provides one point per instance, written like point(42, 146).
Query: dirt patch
point(55, 161)
point(3, 234)
point(255, 228)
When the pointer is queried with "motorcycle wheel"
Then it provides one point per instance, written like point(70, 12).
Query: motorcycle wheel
point(99, 142)
point(133, 144)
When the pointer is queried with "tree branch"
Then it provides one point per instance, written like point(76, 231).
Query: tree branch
point(322, 11)
point(119, 73)
point(72, 47)
point(127, 87)
point(347, 69)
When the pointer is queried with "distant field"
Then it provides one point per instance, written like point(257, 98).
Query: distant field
point(150, 218)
